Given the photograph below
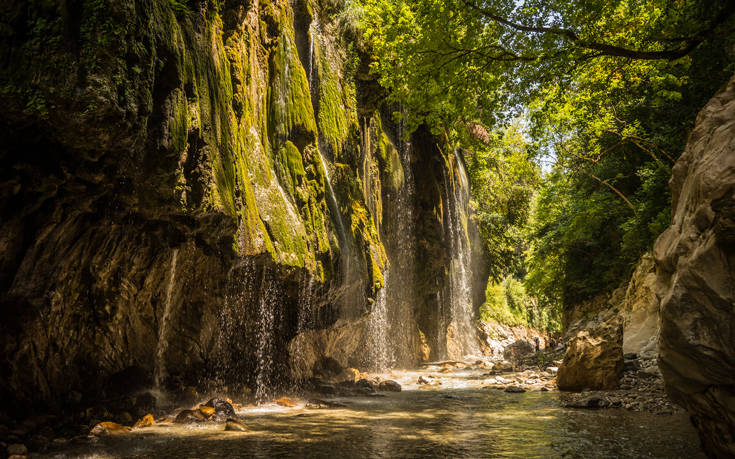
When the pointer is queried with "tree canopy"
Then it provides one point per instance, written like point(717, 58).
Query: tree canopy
point(600, 93)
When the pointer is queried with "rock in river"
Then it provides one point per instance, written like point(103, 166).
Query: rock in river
point(594, 356)
point(233, 425)
point(109, 428)
point(389, 386)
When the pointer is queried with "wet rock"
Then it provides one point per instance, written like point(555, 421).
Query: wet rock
point(317, 403)
point(206, 410)
point(233, 425)
point(326, 388)
point(423, 380)
point(389, 386)
point(349, 375)
point(514, 390)
point(593, 402)
point(17, 448)
point(109, 428)
point(283, 401)
point(327, 367)
point(518, 350)
point(502, 366)
point(594, 356)
point(145, 421)
point(366, 383)
point(222, 408)
point(189, 417)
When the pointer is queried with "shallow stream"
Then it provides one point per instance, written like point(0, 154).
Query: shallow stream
point(459, 418)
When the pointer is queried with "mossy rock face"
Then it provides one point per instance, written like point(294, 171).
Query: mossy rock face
point(151, 143)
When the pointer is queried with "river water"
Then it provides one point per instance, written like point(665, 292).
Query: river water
point(457, 419)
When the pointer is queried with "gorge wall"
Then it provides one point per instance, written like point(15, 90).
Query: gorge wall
point(695, 257)
point(213, 193)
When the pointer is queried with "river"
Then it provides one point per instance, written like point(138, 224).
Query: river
point(458, 418)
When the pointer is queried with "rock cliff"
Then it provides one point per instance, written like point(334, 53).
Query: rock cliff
point(696, 281)
point(187, 185)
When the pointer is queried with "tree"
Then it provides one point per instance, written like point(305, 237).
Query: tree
point(609, 90)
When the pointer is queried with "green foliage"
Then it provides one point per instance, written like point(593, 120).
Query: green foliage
point(503, 180)
point(508, 303)
point(608, 89)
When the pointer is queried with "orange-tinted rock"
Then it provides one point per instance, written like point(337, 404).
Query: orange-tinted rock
point(283, 401)
point(109, 428)
point(145, 421)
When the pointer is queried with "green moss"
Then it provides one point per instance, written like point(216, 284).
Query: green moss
point(337, 106)
point(290, 112)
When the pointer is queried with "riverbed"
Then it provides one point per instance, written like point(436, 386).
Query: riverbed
point(459, 418)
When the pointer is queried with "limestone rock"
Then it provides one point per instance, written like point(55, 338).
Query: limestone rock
point(109, 428)
point(695, 258)
point(640, 311)
point(594, 357)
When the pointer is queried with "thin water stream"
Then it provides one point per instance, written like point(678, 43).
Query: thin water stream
point(457, 419)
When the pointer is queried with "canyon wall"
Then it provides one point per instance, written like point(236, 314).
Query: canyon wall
point(695, 257)
point(210, 193)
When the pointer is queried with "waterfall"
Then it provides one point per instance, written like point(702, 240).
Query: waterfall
point(266, 322)
point(460, 333)
point(162, 344)
point(380, 357)
point(402, 281)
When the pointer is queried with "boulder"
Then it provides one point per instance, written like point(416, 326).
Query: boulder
point(366, 383)
point(389, 386)
point(222, 408)
point(594, 357)
point(695, 260)
point(518, 350)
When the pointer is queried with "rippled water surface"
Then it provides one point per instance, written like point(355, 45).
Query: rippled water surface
point(459, 419)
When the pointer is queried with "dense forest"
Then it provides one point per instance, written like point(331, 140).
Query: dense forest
point(570, 115)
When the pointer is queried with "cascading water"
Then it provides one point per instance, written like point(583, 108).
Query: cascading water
point(266, 322)
point(460, 338)
point(162, 344)
point(378, 328)
point(400, 286)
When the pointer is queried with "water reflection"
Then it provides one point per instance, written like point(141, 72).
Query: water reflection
point(460, 419)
